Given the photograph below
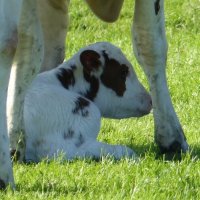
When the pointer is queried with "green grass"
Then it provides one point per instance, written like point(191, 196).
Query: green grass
point(153, 177)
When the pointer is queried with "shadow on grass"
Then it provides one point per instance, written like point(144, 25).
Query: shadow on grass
point(153, 150)
point(195, 151)
point(47, 189)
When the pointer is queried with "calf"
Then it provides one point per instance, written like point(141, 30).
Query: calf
point(63, 106)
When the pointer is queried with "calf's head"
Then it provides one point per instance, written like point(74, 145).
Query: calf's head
point(119, 94)
point(102, 73)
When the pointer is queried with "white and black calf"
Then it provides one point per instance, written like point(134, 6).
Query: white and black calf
point(63, 107)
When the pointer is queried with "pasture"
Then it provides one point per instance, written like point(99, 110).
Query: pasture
point(154, 176)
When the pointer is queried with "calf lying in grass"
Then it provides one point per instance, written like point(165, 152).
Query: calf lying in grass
point(63, 106)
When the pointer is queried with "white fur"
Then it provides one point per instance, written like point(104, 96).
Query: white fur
point(48, 110)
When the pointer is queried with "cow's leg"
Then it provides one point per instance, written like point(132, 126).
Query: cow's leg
point(150, 48)
point(28, 59)
point(7, 49)
point(54, 21)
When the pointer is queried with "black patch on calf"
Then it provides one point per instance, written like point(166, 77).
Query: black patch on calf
point(66, 77)
point(157, 6)
point(80, 140)
point(80, 108)
point(69, 134)
point(94, 86)
point(114, 75)
point(90, 60)
point(2, 185)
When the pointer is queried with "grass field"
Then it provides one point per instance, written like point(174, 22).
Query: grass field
point(153, 177)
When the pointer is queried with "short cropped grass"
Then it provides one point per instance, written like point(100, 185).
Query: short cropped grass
point(153, 176)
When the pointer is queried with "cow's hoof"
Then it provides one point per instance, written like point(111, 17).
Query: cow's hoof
point(2, 185)
point(170, 138)
point(175, 147)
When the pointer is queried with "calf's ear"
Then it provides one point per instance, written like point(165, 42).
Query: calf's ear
point(90, 60)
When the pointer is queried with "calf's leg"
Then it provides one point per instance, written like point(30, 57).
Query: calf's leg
point(150, 47)
point(95, 149)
